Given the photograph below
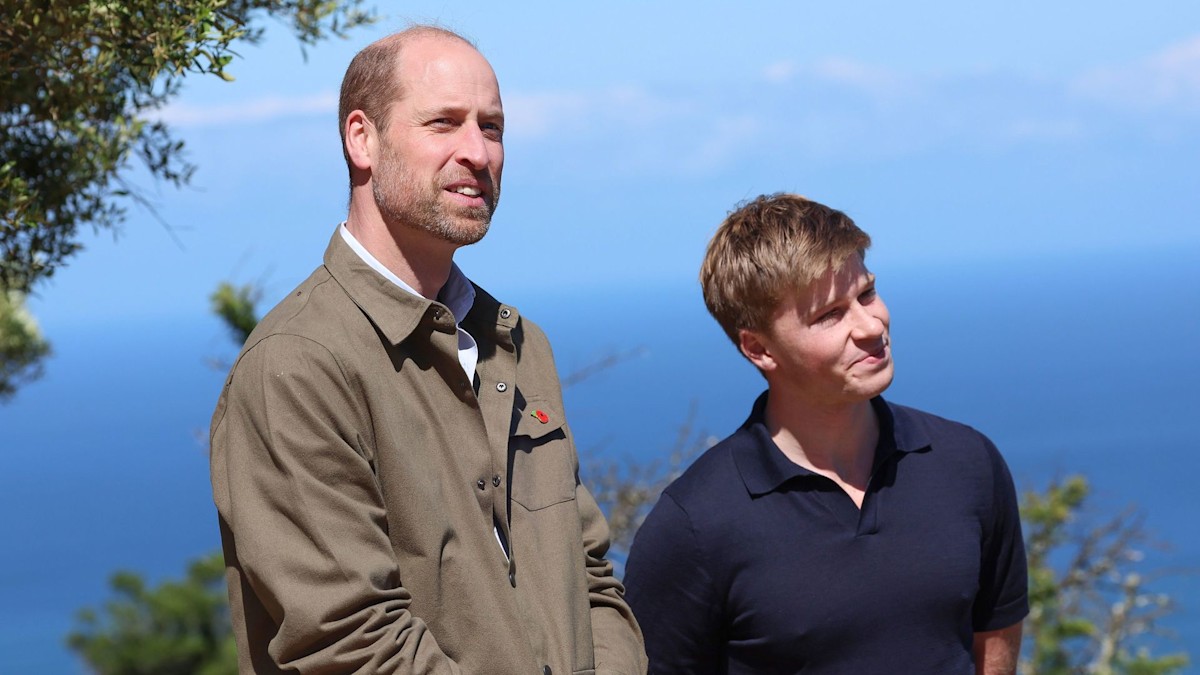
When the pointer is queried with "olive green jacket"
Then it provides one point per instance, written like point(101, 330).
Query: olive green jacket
point(359, 479)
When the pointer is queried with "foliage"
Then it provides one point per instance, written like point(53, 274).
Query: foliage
point(83, 83)
point(21, 345)
point(177, 627)
point(237, 307)
point(627, 489)
point(1091, 609)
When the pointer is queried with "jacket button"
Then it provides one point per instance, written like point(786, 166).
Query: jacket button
point(505, 313)
point(546, 670)
point(481, 483)
point(512, 578)
point(501, 387)
point(496, 480)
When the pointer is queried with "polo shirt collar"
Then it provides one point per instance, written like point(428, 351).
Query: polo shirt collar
point(764, 467)
point(908, 435)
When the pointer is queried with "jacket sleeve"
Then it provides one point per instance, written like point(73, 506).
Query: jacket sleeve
point(306, 541)
point(615, 635)
point(672, 594)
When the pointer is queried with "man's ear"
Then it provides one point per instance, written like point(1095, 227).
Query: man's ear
point(755, 347)
point(361, 140)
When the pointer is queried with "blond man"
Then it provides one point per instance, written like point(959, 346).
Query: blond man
point(834, 532)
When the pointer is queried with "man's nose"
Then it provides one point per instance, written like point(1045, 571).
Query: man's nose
point(868, 325)
point(472, 150)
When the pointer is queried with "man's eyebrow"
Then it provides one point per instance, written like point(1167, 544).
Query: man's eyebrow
point(856, 288)
point(453, 109)
point(440, 110)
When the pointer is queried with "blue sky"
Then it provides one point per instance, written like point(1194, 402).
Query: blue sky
point(1004, 132)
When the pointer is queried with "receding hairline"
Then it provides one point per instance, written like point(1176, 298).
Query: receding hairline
point(414, 31)
point(395, 43)
point(373, 82)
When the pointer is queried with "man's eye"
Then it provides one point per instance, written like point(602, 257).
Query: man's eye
point(830, 317)
point(867, 295)
point(493, 131)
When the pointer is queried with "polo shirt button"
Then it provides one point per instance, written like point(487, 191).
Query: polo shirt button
point(481, 483)
point(501, 387)
point(496, 480)
point(505, 313)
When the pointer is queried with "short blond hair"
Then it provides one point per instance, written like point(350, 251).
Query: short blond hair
point(770, 247)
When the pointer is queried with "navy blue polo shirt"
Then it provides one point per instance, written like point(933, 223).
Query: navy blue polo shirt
point(750, 563)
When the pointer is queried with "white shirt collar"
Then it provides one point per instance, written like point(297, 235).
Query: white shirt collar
point(457, 293)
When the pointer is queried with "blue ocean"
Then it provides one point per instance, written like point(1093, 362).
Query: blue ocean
point(1084, 364)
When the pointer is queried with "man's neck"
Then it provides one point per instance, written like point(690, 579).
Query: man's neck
point(416, 257)
point(837, 441)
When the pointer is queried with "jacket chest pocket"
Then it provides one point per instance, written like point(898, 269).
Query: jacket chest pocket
point(542, 462)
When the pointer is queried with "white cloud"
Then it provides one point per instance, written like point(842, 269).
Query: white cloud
point(860, 76)
point(1045, 129)
point(1168, 80)
point(725, 140)
point(832, 108)
point(540, 114)
point(547, 114)
point(630, 128)
point(258, 110)
point(779, 72)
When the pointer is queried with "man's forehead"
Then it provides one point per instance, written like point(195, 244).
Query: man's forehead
point(433, 58)
point(836, 281)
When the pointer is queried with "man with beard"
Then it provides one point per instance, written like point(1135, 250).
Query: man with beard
point(834, 532)
point(396, 484)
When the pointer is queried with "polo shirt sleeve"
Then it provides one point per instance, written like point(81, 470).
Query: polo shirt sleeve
point(671, 592)
point(1003, 597)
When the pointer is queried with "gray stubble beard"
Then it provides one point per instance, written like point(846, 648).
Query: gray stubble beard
point(463, 228)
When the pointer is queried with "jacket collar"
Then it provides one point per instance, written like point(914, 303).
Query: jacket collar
point(394, 311)
point(397, 313)
point(764, 467)
point(492, 319)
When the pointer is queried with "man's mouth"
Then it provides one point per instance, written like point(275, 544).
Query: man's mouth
point(876, 354)
point(467, 190)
